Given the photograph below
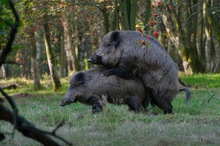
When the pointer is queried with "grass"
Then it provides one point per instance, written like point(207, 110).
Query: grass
point(202, 80)
point(195, 124)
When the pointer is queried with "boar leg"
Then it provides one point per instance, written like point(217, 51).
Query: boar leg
point(133, 105)
point(162, 104)
point(169, 110)
point(146, 101)
point(160, 101)
point(96, 104)
point(117, 72)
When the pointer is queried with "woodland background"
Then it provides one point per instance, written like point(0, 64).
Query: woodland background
point(54, 40)
point(56, 37)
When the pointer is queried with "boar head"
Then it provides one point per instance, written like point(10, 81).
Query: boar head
point(75, 90)
point(109, 51)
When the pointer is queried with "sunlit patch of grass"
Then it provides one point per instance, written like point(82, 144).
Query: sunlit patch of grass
point(202, 80)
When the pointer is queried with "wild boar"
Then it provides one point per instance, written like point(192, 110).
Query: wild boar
point(92, 88)
point(125, 57)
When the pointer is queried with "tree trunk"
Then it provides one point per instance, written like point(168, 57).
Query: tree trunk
point(201, 38)
point(133, 14)
point(51, 57)
point(106, 19)
point(115, 17)
point(63, 69)
point(182, 36)
point(39, 42)
point(25, 63)
point(194, 59)
point(68, 43)
point(208, 39)
point(4, 74)
point(147, 15)
point(34, 63)
point(124, 6)
point(217, 55)
point(215, 27)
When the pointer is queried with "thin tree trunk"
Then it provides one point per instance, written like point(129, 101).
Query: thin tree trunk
point(124, 12)
point(215, 27)
point(147, 15)
point(34, 63)
point(50, 57)
point(217, 55)
point(193, 53)
point(4, 74)
point(63, 69)
point(208, 39)
point(133, 14)
point(39, 46)
point(201, 38)
point(115, 17)
point(173, 37)
point(68, 43)
point(106, 19)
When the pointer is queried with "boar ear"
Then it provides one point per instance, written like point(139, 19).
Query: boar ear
point(114, 38)
point(79, 78)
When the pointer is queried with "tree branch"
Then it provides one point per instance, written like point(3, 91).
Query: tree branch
point(25, 127)
point(8, 47)
point(19, 122)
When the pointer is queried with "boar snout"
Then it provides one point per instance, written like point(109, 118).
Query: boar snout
point(62, 104)
point(68, 99)
point(89, 60)
point(65, 102)
point(95, 59)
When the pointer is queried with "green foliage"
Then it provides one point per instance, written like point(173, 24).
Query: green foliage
point(5, 21)
point(195, 124)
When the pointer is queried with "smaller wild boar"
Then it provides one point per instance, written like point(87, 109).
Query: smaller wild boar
point(92, 88)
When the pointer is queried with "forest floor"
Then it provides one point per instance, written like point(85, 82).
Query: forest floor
point(197, 123)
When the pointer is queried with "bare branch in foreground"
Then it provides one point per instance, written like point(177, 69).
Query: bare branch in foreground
point(19, 122)
point(57, 127)
point(25, 127)
point(28, 129)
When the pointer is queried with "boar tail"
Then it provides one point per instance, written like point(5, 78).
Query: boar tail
point(188, 94)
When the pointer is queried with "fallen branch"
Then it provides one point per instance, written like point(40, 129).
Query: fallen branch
point(48, 84)
point(10, 86)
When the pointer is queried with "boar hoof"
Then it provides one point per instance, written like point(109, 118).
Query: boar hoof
point(96, 111)
point(168, 111)
point(96, 108)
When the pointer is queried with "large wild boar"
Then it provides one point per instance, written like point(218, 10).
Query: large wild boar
point(92, 88)
point(121, 52)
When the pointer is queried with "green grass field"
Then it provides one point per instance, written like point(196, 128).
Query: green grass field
point(195, 124)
